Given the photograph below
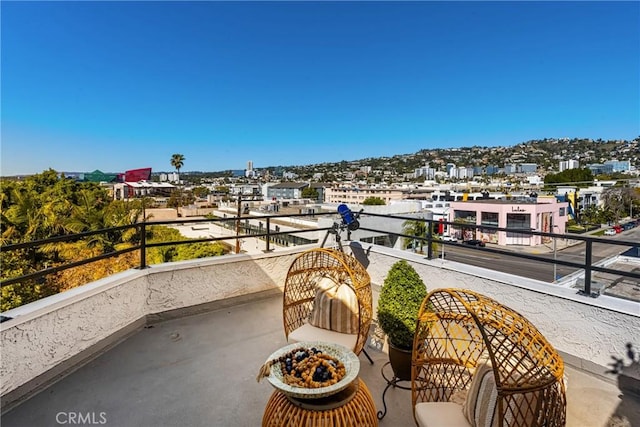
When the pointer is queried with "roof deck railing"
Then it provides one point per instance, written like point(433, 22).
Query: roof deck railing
point(244, 230)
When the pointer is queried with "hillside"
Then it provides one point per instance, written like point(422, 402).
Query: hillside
point(547, 153)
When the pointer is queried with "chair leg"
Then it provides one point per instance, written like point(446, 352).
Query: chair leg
point(367, 354)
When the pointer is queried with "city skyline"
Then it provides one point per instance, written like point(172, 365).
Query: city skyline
point(113, 86)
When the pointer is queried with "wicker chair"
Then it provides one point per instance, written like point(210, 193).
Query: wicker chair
point(458, 333)
point(300, 292)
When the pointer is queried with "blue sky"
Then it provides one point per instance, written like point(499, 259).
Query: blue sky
point(122, 85)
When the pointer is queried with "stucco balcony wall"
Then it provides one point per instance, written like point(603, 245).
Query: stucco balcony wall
point(192, 283)
point(47, 338)
point(587, 331)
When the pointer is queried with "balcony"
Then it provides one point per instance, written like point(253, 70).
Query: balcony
point(181, 343)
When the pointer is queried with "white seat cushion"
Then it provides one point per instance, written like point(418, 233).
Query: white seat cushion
point(440, 414)
point(309, 332)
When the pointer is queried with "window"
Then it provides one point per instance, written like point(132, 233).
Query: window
point(465, 216)
point(518, 221)
point(489, 218)
point(562, 212)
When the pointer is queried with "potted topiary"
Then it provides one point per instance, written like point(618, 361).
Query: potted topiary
point(400, 298)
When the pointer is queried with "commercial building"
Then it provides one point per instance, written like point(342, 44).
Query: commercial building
point(134, 190)
point(619, 165)
point(135, 175)
point(527, 167)
point(548, 216)
point(98, 176)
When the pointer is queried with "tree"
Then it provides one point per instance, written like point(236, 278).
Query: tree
point(635, 202)
point(45, 205)
point(579, 177)
point(618, 201)
point(177, 161)
point(199, 250)
point(179, 198)
point(414, 227)
point(592, 214)
point(310, 193)
point(373, 201)
point(170, 253)
point(201, 192)
point(96, 270)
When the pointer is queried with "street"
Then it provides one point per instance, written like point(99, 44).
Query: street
point(536, 269)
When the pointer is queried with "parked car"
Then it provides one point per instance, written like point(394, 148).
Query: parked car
point(474, 242)
point(448, 238)
point(609, 232)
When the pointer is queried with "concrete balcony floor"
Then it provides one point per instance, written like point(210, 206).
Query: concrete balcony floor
point(200, 370)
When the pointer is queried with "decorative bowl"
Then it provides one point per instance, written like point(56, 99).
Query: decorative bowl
point(343, 354)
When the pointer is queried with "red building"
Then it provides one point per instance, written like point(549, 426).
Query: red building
point(135, 175)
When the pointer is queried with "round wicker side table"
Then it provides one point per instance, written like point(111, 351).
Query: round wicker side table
point(356, 409)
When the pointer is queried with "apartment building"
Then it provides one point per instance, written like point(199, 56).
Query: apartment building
point(357, 195)
point(286, 190)
point(568, 164)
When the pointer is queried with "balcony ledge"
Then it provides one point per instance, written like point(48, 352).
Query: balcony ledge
point(50, 338)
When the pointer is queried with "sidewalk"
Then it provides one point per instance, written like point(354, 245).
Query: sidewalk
point(545, 248)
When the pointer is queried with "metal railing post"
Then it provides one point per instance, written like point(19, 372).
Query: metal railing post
point(555, 258)
point(268, 235)
point(429, 239)
point(238, 225)
point(587, 267)
point(143, 245)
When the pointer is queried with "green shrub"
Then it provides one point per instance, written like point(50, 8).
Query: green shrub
point(400, 298)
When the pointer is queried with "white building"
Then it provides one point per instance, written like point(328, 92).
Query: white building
point(426, 172)
point(169, 177)
point(453, 171)
point(569, 164)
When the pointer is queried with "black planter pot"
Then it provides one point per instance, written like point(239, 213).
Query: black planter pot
point(400, 362)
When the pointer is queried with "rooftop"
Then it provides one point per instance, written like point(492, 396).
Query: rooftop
point(182, 343)
point(507, 201)
point(200, 370)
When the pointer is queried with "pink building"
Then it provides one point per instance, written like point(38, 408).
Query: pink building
point(546, 215)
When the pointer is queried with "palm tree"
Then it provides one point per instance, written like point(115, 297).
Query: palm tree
point(418, 229)
point(414, 228)
point(177, 161)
